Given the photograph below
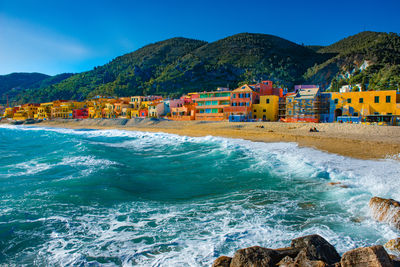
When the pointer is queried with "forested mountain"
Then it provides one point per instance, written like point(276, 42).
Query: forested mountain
point(181, 65)
point(16, 84)
point(18, 81)
point(371, 59)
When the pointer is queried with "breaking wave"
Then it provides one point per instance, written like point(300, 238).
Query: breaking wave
point(112, 197)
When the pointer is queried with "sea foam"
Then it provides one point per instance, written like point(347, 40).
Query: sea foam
point(248, 193)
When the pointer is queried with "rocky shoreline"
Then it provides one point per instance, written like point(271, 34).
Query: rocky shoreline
point(315, 251)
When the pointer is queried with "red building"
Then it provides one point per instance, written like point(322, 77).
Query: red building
point(143, 112)
point(82, 113)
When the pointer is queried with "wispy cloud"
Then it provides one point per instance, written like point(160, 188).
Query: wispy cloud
point(26, 47)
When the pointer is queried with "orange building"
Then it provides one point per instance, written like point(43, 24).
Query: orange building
point(210, 105)
point(245, 96)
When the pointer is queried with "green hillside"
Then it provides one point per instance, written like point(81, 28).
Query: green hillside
point(126, 75)
point(368, 58)
point(15, 84)
point(180, 65)
point(240, 58)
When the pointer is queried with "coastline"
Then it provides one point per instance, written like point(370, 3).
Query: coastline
point(350, 140)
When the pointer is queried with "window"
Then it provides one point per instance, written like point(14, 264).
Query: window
point(267, 101)
point(255, 116)
point(355, 114)
point(361, 100)
point(234, 95)
point(336, 101)
point(255, 110)
point(376, 113)
point(388, 99)
point(264, 110)
point(349, 100)
point(247, 104)
point(376, 99)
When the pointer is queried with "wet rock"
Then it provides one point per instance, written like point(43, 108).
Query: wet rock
point(255, 256)
point(386, 210)
point(316, 248)
point(286, 262)
point(300, 260)
point(393, 244)
point(307, 205)
point(222, 261)
point(338, 184)
point(357, 219)
point(303, 260)
point(375, 256)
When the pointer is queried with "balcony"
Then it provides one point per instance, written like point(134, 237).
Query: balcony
point(212, 106)
point(219, 98)
point(237, 109)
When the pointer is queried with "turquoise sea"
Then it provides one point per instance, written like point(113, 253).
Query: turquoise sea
point(112, 197)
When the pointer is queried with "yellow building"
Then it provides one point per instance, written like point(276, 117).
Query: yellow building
point(20, 115)
point(27, 111)
point(365, 103)
point(9, 112)
point(44, 111)
point(135, 113)
point(267, 109)
point(108, 111)
point(63, 109)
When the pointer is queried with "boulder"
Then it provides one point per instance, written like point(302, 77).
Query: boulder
point(222, 261)
point(286, 262)
point(300, 260)
point(255, 256)
point(375, 256)
point(393, 244)
point(386, 210)
point(316, 249)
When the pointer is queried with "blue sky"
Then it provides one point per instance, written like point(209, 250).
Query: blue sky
point(73, 36)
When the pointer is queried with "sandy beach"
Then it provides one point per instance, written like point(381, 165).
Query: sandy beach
point(352, 140)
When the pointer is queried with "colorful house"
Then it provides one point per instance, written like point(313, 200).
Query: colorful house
point(20, 115)
point(143, 113)
point(138, 102)
point(44, 111)
point(244, 97)
point(304, 104)
point(26, 111)
point(82, 113)
point(240, 104)
point(267, 108)
point(371, 105)
point(182, 110)
point(210, 105)
point(9, 112)
point(158, 108)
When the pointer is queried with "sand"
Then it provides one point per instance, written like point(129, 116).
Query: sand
point(351, 140)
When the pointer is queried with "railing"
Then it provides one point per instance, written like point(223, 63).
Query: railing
point(227, 98)
point(211, 106)
point(237, 109)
